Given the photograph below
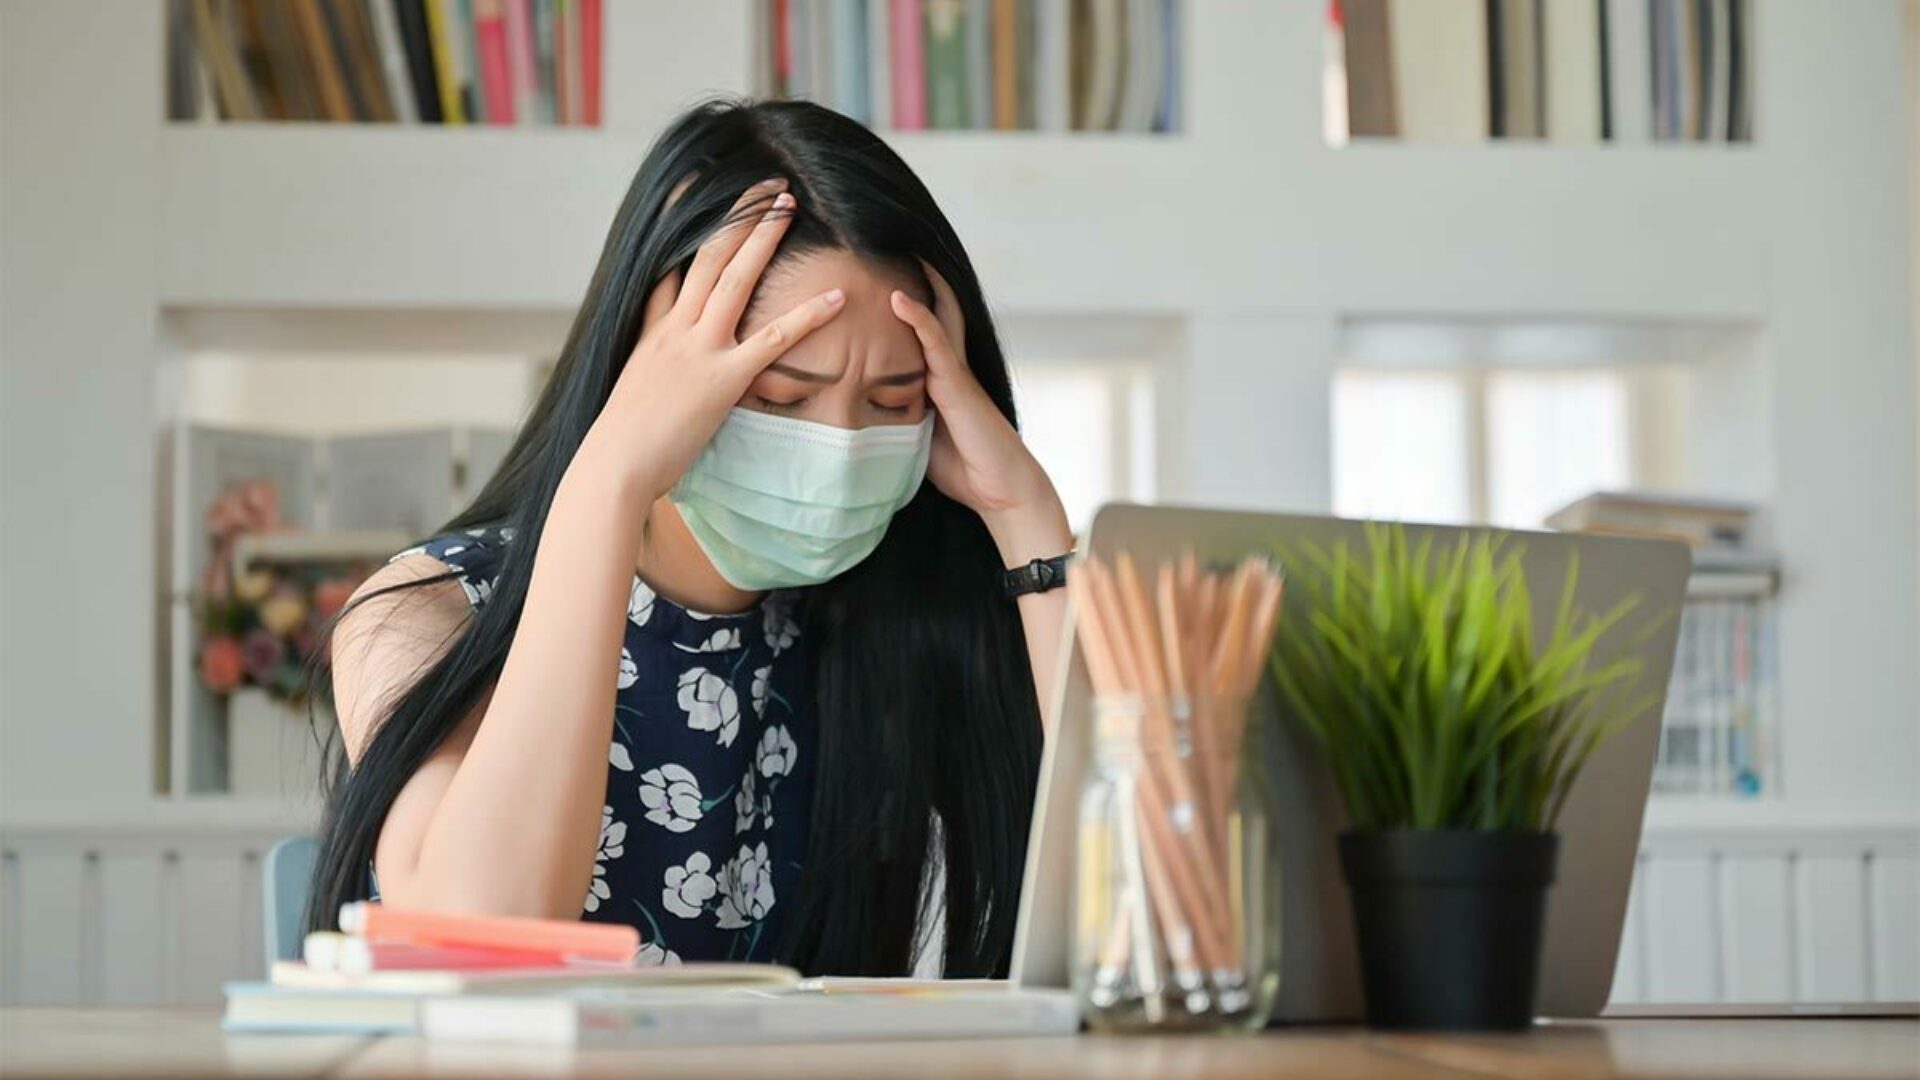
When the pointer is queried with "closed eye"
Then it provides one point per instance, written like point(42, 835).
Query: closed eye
point(896, 409)
point(779, 406)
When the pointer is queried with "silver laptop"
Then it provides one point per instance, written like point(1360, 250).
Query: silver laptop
point(1319, 969)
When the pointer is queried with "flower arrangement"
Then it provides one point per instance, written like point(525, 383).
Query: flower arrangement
point(263, 625)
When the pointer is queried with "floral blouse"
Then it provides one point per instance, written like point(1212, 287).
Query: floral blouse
point(709, 771)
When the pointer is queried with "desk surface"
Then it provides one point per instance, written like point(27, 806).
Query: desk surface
point(175, 1042)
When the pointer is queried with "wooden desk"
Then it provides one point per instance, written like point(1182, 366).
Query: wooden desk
point(179, 1042)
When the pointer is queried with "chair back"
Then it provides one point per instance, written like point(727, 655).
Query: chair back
point(288, 870)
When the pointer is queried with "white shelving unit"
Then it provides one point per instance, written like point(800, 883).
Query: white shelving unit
point(1244, 232)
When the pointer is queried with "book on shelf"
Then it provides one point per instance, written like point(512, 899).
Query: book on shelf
point(914, 65)
point(1718, 735)
point(497, 62)
point(1566, 71)
point(1705, 523)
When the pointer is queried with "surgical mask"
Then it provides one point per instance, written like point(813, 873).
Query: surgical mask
point(777, 502)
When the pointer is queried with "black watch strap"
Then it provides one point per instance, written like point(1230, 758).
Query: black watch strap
point(1036, 576)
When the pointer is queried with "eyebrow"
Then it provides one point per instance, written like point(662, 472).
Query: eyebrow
point(904, 379)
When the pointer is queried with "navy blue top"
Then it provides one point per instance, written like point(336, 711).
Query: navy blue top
point(709, 773)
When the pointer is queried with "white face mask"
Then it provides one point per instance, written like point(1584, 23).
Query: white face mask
point(777, 502)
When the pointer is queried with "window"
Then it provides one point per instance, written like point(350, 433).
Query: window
point(1501, 446)
point(1091, 427)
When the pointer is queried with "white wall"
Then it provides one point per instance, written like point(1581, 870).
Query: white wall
point(79, 223)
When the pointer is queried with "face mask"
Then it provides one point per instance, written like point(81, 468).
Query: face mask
point(777, 502)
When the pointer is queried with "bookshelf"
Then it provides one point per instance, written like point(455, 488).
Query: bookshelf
point(1244, 239)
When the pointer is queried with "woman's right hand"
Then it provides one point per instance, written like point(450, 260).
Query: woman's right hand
point(688, 369)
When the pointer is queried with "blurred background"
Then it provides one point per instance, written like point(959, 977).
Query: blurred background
point(278, 278)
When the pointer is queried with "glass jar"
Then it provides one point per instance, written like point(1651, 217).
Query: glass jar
point(1176, 889)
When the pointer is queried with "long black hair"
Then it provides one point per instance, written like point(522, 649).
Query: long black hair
point(922, 688)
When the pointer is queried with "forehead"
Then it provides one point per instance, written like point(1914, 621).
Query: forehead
point(866, 327)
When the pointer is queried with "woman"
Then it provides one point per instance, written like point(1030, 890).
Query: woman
point(706, 656)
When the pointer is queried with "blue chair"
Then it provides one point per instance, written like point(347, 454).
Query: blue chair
point(287, 870)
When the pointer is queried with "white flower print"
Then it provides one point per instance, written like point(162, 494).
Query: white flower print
point(766, 811)
point(640, 603)
point(759, 695)
point(746, 888)
point(629, 671)
point(778, 625)
point(776, 753)
point(618, 757)
point(652, 955)
point(725, 639)
point(688, 888)
point(613, 840)
point(478, 591)
point(507, 531)
point(744, 804)
point(672, 796)
point(710, 704)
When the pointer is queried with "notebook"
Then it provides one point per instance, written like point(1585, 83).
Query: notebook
point(750, 1016)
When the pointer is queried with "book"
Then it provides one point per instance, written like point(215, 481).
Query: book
point(1372, 102)
point(591, 15)
point(384, 18)
point(1439, 50)
point(446, 60)
point(737, 1017)
point(496, 72)
point(1141, 72)
point(977, 29)
point(265, 1008)
point(1522, 92)
point(1054, 80)
point(249, 32)
point(296, 975)
point(466, 46)
point(522, 74)
point(946, 60)
point(909, 66)
point(217, 49)
point(546, 79)
point(879, 64)
point(1104, 62)
point(1004, 30)
point(316, 44)
point(1629, 70)
point(296, 999)
point(1572, 70)
point(411, 18)
point(852, 78)
point(608, 942)
point(1716, 523)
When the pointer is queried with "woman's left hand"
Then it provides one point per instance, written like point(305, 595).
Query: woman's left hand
point(978, 459)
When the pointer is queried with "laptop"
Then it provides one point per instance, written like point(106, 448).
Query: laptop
point(1319, 966)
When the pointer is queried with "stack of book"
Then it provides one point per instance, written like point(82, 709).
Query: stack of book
point(1007, 65)
point(1719, 735)
point(1577, 71)
point(468, 978)
point(500, 62)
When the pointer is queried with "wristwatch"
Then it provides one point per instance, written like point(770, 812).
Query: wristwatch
point(1036, 576)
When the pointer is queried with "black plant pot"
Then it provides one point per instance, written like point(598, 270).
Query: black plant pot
point(1449, 924)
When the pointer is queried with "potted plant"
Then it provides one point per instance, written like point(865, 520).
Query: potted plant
point(1454, 735)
